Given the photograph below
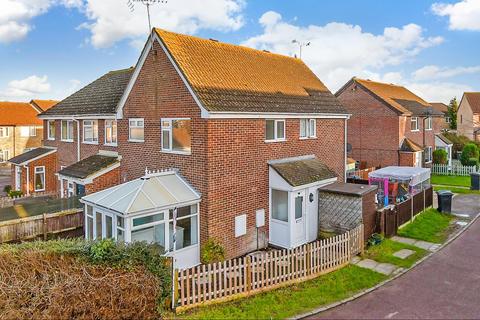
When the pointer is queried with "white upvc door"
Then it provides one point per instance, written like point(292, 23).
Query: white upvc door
point(108, 225)
point(418, 159)
point(299, 217)
point(18, 178)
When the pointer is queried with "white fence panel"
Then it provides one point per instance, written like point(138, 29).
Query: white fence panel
point(453, 170)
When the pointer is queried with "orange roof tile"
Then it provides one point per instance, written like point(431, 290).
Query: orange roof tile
point(224, 74)
point(18, 114)
point(440, 106)
point(473, 99)
point(44, 104)
point(389, 92)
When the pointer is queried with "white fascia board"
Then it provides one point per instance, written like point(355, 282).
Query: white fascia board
point(79, 117)
point(273, 115)
point(315, 184)
point(138, 68)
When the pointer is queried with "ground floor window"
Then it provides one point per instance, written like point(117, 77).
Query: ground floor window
point(39, 179)
point(280, 205)
point(89, 222)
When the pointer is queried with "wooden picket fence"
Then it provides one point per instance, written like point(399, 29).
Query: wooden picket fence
point(248, 275)
point(453, 170)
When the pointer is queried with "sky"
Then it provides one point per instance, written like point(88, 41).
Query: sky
point(51, 48)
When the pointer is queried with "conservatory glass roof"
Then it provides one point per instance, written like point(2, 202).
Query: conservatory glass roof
point(156, 190)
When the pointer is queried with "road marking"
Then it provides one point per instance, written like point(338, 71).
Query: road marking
point(461, 215)
point(391, 315)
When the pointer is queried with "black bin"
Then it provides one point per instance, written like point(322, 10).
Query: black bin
point(445, 201)
point(475, 181)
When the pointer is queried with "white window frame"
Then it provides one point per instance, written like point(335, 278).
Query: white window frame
point(412, 120)
point(4, 132)
point(93, 124)
point(136, 126)
point(447, 119)
point(113, 126)
point(5, 156)
point(310, 128)
point(275, 131)
point(169, 128)
point(69, 125)
point(39, 169)
point(49, 123)
point(428, 154)
point(32, 131)
point(428, 123)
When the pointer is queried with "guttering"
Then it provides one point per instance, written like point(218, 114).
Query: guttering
point(78, 138)
point(78, 116)
point(272, 115)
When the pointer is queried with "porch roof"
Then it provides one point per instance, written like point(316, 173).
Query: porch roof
point(444, 139)
point(410, 146)
point(33, 154)
point(304, 171)
point(157, 190)
point(88, 166)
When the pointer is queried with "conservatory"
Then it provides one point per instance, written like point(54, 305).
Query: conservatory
point(161, 208)
point(396, 184)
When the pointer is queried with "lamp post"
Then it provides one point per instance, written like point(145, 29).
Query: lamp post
point(300, 45)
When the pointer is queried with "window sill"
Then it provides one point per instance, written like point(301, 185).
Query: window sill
point(110, 144)
point(50, 139)
point(417, 130)
point(90, 142)
point(136, 141)
point(273, 141)
point(307, 138)
point(69, 141)
point(41, 190)
point(177, 152)
point(428, 129)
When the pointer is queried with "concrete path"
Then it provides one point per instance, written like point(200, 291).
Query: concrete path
point(445, 286)
point(417, 243)
point(384, 268)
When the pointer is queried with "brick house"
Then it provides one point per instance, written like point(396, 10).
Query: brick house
point(20, 129)
point(441, 124)
point(389, 126)
point(468, 116)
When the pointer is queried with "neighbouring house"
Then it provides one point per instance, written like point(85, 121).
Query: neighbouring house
point(441, 124)
point(442, 142)
point(389, 124)
point(468, 116)
point(20, 129)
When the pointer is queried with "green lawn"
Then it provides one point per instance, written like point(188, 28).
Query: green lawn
point(293, 300)
point(429, 226)
point(456, 190)
point(384, 251)
point(462, 181)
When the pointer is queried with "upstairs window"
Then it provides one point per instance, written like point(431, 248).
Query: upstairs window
point(414, 124)
point(447, 119)
point(4, 156)
point(90, 131)
point(111, 132)
point(275, 130)
point(28, 131)
point(308, 128)
point(51, 129)
point(428, 123)
point(177, 135)
point(67, 130)
point(136, 130)
point(4, 132)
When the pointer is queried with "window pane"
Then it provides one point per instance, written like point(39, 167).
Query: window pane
point(270, 130)
point(148, 219)
point(303, 128)
point(183, 211)
point(186, 233)
point(119, 222)
point(90, 210)
point(280, 205)
point(98, 225)
point(280, 129)
point(114, 132)
point(89, 228)
point(120, 235)
point(108, 227)
point(136, 133)
point(154, 234)
point(312, 131)
point(298, 207)
point(39, 180)
point(181, 135)
point(166, 139)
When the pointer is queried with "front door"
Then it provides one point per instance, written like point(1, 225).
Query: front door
point(18, 178)
point(418, 159)
point(107, 226)
point(300, 220)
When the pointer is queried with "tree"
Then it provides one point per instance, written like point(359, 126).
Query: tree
point(452, 113)
point(470, 151)
point(440, 156)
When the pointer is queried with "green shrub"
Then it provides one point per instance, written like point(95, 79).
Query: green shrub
point(212, 251)
point(7, 189)
point(472, 162)
point(459, 142)
point(15, 194)
point(469, 151)
point(440, 156)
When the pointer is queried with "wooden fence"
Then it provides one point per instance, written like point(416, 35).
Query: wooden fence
point(40, 225)
point(11, 201)
point(360, 174)
point(453, 170)
point(265, 271)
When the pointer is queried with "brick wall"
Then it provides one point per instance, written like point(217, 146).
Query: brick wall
point(228, 163)
point(369, 214)
point(51, 181)
point(105, 181)
point(407, 159)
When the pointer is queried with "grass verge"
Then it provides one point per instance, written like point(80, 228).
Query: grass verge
point(384, 251)
point(293, 300)
point(430, 226)
point(456, 190)
point(462, 181)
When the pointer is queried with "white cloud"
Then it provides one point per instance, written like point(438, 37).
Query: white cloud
point(339, 51)
point(437, 72)
point(111, 21)
point(28, 88)
point(463, 15)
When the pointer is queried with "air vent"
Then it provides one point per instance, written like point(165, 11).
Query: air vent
point(214, 40)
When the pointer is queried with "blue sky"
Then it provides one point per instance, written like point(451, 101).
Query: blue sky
point(50, 48)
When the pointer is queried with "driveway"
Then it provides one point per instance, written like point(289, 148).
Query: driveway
point(4, 179)
point(445, 286)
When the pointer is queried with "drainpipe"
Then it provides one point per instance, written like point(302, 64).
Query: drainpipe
point(78, 138)
point(345, 162)
point(28, 179)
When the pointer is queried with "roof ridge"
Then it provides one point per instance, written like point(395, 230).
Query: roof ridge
point(379, 82)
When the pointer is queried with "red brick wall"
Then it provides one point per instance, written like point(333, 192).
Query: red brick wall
point(50, 164)
point(417, 136)
point(228, 164)
point(105, 181)
point(369, 214)
point(372, 129)
point(407, 159)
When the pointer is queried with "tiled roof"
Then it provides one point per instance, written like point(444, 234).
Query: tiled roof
point(99, 97)
point(418, 109)
point(473, 99)
point(301, 172)
point(389, 93)
point(44, 104)
point(233, 78)
point(444, 139)
point(88, 166)
point(18, 114)
point(410, 146)
point(439, 106)
point(29, 155)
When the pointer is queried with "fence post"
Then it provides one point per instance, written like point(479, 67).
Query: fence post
point(44, 227)
point(411, 208)
point(424, 193)
point(175, 289)
point(309, 259)
point(248, 273)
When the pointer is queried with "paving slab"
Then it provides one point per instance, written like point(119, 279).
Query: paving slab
point(385, 268)
point(356, 260)
point(404, 253)
point(424, 244)
point(403, 240)
point(368, 264)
